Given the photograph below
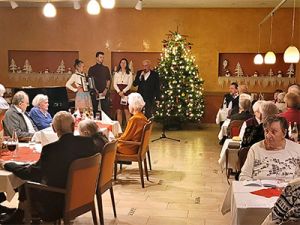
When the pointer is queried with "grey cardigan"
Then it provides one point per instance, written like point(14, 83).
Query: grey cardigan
point(14, 120)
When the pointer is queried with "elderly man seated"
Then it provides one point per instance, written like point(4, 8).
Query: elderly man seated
point(274, 156)
point(17, 119)
point(52, 169)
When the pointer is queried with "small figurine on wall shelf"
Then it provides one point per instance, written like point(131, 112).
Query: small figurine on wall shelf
point(227, 74)
point(238, 70)
point(13, 66)
point(291, 71)
point(69, 71)
point(255, 74)
point(46, 70)
point(279, 73)
point(19, 70)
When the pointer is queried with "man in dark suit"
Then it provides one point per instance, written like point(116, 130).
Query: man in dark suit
point(17, 119)
point(147, 81)
point(52, 168)
point(231, 99)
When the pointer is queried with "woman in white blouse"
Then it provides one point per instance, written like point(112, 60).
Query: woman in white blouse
point(78, 83)
point(122, 84)
point(274, 157)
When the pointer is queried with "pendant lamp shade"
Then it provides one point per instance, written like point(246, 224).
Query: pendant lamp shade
point(258, 59)
point(291, 55)
point(49, 10)
point(93, 7)
point(108, 4)
point(270, 58)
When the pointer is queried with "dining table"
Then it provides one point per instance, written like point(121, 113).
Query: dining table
point(24, 154)
point(250, 202)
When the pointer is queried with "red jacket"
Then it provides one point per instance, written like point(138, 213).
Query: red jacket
point(291, 115)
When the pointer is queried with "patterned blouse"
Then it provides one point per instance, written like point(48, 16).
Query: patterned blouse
point(287, 207)
point(266, 164)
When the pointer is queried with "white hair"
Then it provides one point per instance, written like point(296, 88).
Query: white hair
point(136, 101)
point(2, 90)
point(280, 97)
point(268, 108)
point(256, 105)
point(38, 99)
point(245, 101)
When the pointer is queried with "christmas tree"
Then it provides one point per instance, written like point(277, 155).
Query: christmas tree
point(61, 68)
point(238, 70)
point(181, 86)
point(13, 66)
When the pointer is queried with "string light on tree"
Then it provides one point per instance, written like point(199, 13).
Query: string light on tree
point(181, 85)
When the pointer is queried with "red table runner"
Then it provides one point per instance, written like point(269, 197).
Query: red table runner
point(24, 154)
point(268, 192)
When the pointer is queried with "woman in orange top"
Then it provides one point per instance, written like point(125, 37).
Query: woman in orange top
point(135, 125)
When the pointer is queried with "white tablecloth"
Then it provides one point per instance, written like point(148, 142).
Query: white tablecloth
point(233, 160)
point(222, 115)
point(223, 130)
point(47, 135)
point(246, 208)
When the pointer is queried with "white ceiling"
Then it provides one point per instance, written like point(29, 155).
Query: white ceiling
point(166, 3)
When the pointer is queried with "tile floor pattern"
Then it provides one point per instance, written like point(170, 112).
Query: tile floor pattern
point(186, 184)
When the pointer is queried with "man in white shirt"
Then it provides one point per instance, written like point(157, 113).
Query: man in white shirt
point(16, 118)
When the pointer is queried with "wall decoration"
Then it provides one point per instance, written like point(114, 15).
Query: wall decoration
point(291, 71)
point(238, 70)
point(40, 68)
point(13, 66)
point(245, 71)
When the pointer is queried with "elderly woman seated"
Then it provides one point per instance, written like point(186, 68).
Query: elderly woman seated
point(89, 128)
point(134, 128)
point(39, 113)
point(280, 103)
point(254, 131)
point(254, 121)
point(287, 206)
point(274, 156)
point(244, 108)
point(292, 114)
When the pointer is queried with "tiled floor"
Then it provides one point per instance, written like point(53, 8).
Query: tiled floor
point(186, 185)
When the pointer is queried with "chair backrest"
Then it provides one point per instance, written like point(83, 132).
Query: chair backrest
point(145, 140)
point(81, 185)
point(242, 154)
point(235, 127)
point(107, 164)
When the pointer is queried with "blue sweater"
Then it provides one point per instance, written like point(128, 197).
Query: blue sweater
point(41, 120)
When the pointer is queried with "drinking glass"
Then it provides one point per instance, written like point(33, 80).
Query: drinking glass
point(97, 117)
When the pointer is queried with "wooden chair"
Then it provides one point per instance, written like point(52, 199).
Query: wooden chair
point(234, 128)
point(140, 157)
point(151, 119)
point(79, 193)
point(105, 177)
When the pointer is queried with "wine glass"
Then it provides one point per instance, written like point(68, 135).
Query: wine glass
point(12, 144)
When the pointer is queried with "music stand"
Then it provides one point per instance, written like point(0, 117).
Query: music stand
point(163, 135)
